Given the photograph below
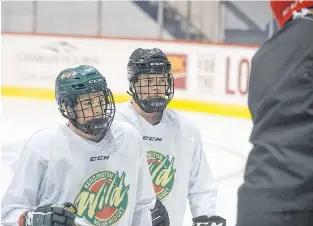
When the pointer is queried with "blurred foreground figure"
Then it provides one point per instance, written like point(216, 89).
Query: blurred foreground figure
point(278, 181)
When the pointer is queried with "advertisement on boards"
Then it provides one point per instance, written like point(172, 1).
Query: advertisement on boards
point(237, 72)
point(37, 62)
point(206, 73)
point(179, 69)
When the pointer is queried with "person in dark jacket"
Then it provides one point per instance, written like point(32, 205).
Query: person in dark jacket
point(278, 179)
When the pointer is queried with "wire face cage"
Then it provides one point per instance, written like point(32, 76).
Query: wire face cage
point(153, 91)
point(92, 113)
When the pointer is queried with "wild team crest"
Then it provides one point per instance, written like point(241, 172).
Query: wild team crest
point(103, 198)
point(162, 172)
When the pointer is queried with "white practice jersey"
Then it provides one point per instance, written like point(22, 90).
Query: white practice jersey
point(10, 154)
point(177, 163)
point(109, 181)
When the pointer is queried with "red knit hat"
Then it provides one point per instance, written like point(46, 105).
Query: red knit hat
point(283, 10)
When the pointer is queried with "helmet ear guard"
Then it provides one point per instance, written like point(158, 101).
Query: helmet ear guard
point(67, 109)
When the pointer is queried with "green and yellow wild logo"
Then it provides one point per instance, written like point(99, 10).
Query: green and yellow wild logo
point(103, 198)
point(162, 172)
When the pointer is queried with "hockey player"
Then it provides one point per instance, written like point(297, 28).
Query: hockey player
point(90, 171)
point(278, 180)
point(172, 142)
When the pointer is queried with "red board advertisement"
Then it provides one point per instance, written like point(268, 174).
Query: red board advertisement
point(179, 69)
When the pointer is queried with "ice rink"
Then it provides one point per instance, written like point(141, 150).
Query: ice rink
point(226, 143)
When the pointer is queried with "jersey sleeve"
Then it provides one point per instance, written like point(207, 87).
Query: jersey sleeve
point(22, 192)
point(202, 186)
point(10, 153)
point(145, 198)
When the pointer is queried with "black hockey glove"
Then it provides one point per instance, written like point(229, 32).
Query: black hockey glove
point(51, 215)
point(208, 221)
point(159, 215)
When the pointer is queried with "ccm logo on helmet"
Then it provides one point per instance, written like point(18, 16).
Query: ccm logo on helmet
point(95, 80)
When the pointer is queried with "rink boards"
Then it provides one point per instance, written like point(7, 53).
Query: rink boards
point(210, 78)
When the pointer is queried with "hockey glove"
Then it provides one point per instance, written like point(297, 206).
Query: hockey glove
point(50, 215)
point(159, 215)
point(208, 221)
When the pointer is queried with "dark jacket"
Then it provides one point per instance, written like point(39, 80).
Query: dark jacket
point(279, 170)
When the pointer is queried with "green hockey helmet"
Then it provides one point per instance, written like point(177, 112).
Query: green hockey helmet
point(85, 100)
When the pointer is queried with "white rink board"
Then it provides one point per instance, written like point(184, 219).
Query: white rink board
point(213, 73)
